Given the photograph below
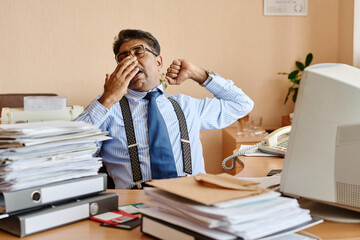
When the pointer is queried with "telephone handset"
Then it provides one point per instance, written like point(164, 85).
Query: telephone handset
point(274, 143)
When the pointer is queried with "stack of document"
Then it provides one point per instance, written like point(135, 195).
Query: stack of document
point(33, 154)
point(220, 207)
point(49, 177)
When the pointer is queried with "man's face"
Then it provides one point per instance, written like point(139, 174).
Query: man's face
point(149, 68)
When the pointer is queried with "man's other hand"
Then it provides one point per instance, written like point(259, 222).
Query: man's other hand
point(181, 70)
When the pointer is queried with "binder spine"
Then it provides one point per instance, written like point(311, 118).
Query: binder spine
point(47, 218)
point(44, 195)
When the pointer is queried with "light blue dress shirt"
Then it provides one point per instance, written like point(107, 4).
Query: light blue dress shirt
point(229, 104)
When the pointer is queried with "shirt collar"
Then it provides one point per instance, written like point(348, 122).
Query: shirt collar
point(136, 96)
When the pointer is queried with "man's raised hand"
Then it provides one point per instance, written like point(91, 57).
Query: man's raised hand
point(181, 70)
point(116, 85)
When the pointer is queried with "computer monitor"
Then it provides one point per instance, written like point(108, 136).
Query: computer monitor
point(322, 161)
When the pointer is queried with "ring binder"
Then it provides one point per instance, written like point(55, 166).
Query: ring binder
point(24, 224)
point(46, 194)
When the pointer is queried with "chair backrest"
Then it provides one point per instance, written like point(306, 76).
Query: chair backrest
point(16, 100)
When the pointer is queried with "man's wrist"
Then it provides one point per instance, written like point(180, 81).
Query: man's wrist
point(107, 101)
point(210, 77)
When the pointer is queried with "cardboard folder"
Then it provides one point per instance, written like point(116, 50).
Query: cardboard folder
point(209, 189)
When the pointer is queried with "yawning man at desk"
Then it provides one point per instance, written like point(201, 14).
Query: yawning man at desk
point(168, 145)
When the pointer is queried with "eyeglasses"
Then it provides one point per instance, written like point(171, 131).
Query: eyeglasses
point(137, 51)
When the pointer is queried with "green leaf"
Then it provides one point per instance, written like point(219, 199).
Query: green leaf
point(300, 65)
point(295, 94)
point(163, 80)
point(296, 79)
point(308, 60)
point(293, 74)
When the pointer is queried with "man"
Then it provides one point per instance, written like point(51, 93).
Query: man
point(137, 73)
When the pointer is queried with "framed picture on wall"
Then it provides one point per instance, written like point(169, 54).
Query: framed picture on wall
point(285, 7)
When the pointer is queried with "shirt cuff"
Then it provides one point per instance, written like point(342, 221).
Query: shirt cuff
point(214, 83)
point(97, 111)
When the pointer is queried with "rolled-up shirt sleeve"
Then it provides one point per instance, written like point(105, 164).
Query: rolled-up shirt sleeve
point(230, 103)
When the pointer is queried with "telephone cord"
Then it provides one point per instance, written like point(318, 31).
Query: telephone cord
point(241, 152)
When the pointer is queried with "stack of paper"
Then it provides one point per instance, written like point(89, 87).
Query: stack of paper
point(33, 154)
point(221, 207)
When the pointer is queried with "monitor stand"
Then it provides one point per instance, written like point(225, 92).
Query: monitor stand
point(330, 213)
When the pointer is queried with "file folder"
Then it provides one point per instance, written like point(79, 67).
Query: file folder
point(46, 194)
point(28, 223)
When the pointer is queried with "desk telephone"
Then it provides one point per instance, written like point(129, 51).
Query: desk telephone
point(274, 143)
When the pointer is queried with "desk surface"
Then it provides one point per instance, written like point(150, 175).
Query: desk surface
point(88, 229)
point(258, 166)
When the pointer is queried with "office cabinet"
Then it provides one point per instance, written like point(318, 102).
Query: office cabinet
point(231, 141)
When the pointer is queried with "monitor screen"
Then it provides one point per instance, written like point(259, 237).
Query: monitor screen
point(322, 161)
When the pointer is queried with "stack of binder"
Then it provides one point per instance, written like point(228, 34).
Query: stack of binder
point(49, 177)
point(219, 207)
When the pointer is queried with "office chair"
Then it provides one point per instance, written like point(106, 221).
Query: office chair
point(110, 181)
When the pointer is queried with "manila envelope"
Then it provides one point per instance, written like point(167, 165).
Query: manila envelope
point(209, 189)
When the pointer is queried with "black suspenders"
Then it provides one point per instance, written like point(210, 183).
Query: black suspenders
point(131, 140)
point(132, 145)
point(184, 136)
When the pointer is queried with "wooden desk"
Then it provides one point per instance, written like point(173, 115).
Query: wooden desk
point(88, 229)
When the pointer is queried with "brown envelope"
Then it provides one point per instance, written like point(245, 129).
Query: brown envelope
point(209, 189)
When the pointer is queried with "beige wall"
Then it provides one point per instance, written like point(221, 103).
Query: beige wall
point(65, 46)
point(346, 36)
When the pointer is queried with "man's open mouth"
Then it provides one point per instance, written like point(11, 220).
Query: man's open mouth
point(138, 74)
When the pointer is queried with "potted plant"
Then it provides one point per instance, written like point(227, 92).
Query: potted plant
point(295, 78)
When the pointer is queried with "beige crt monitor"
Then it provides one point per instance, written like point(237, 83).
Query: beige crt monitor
point(322, 161)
